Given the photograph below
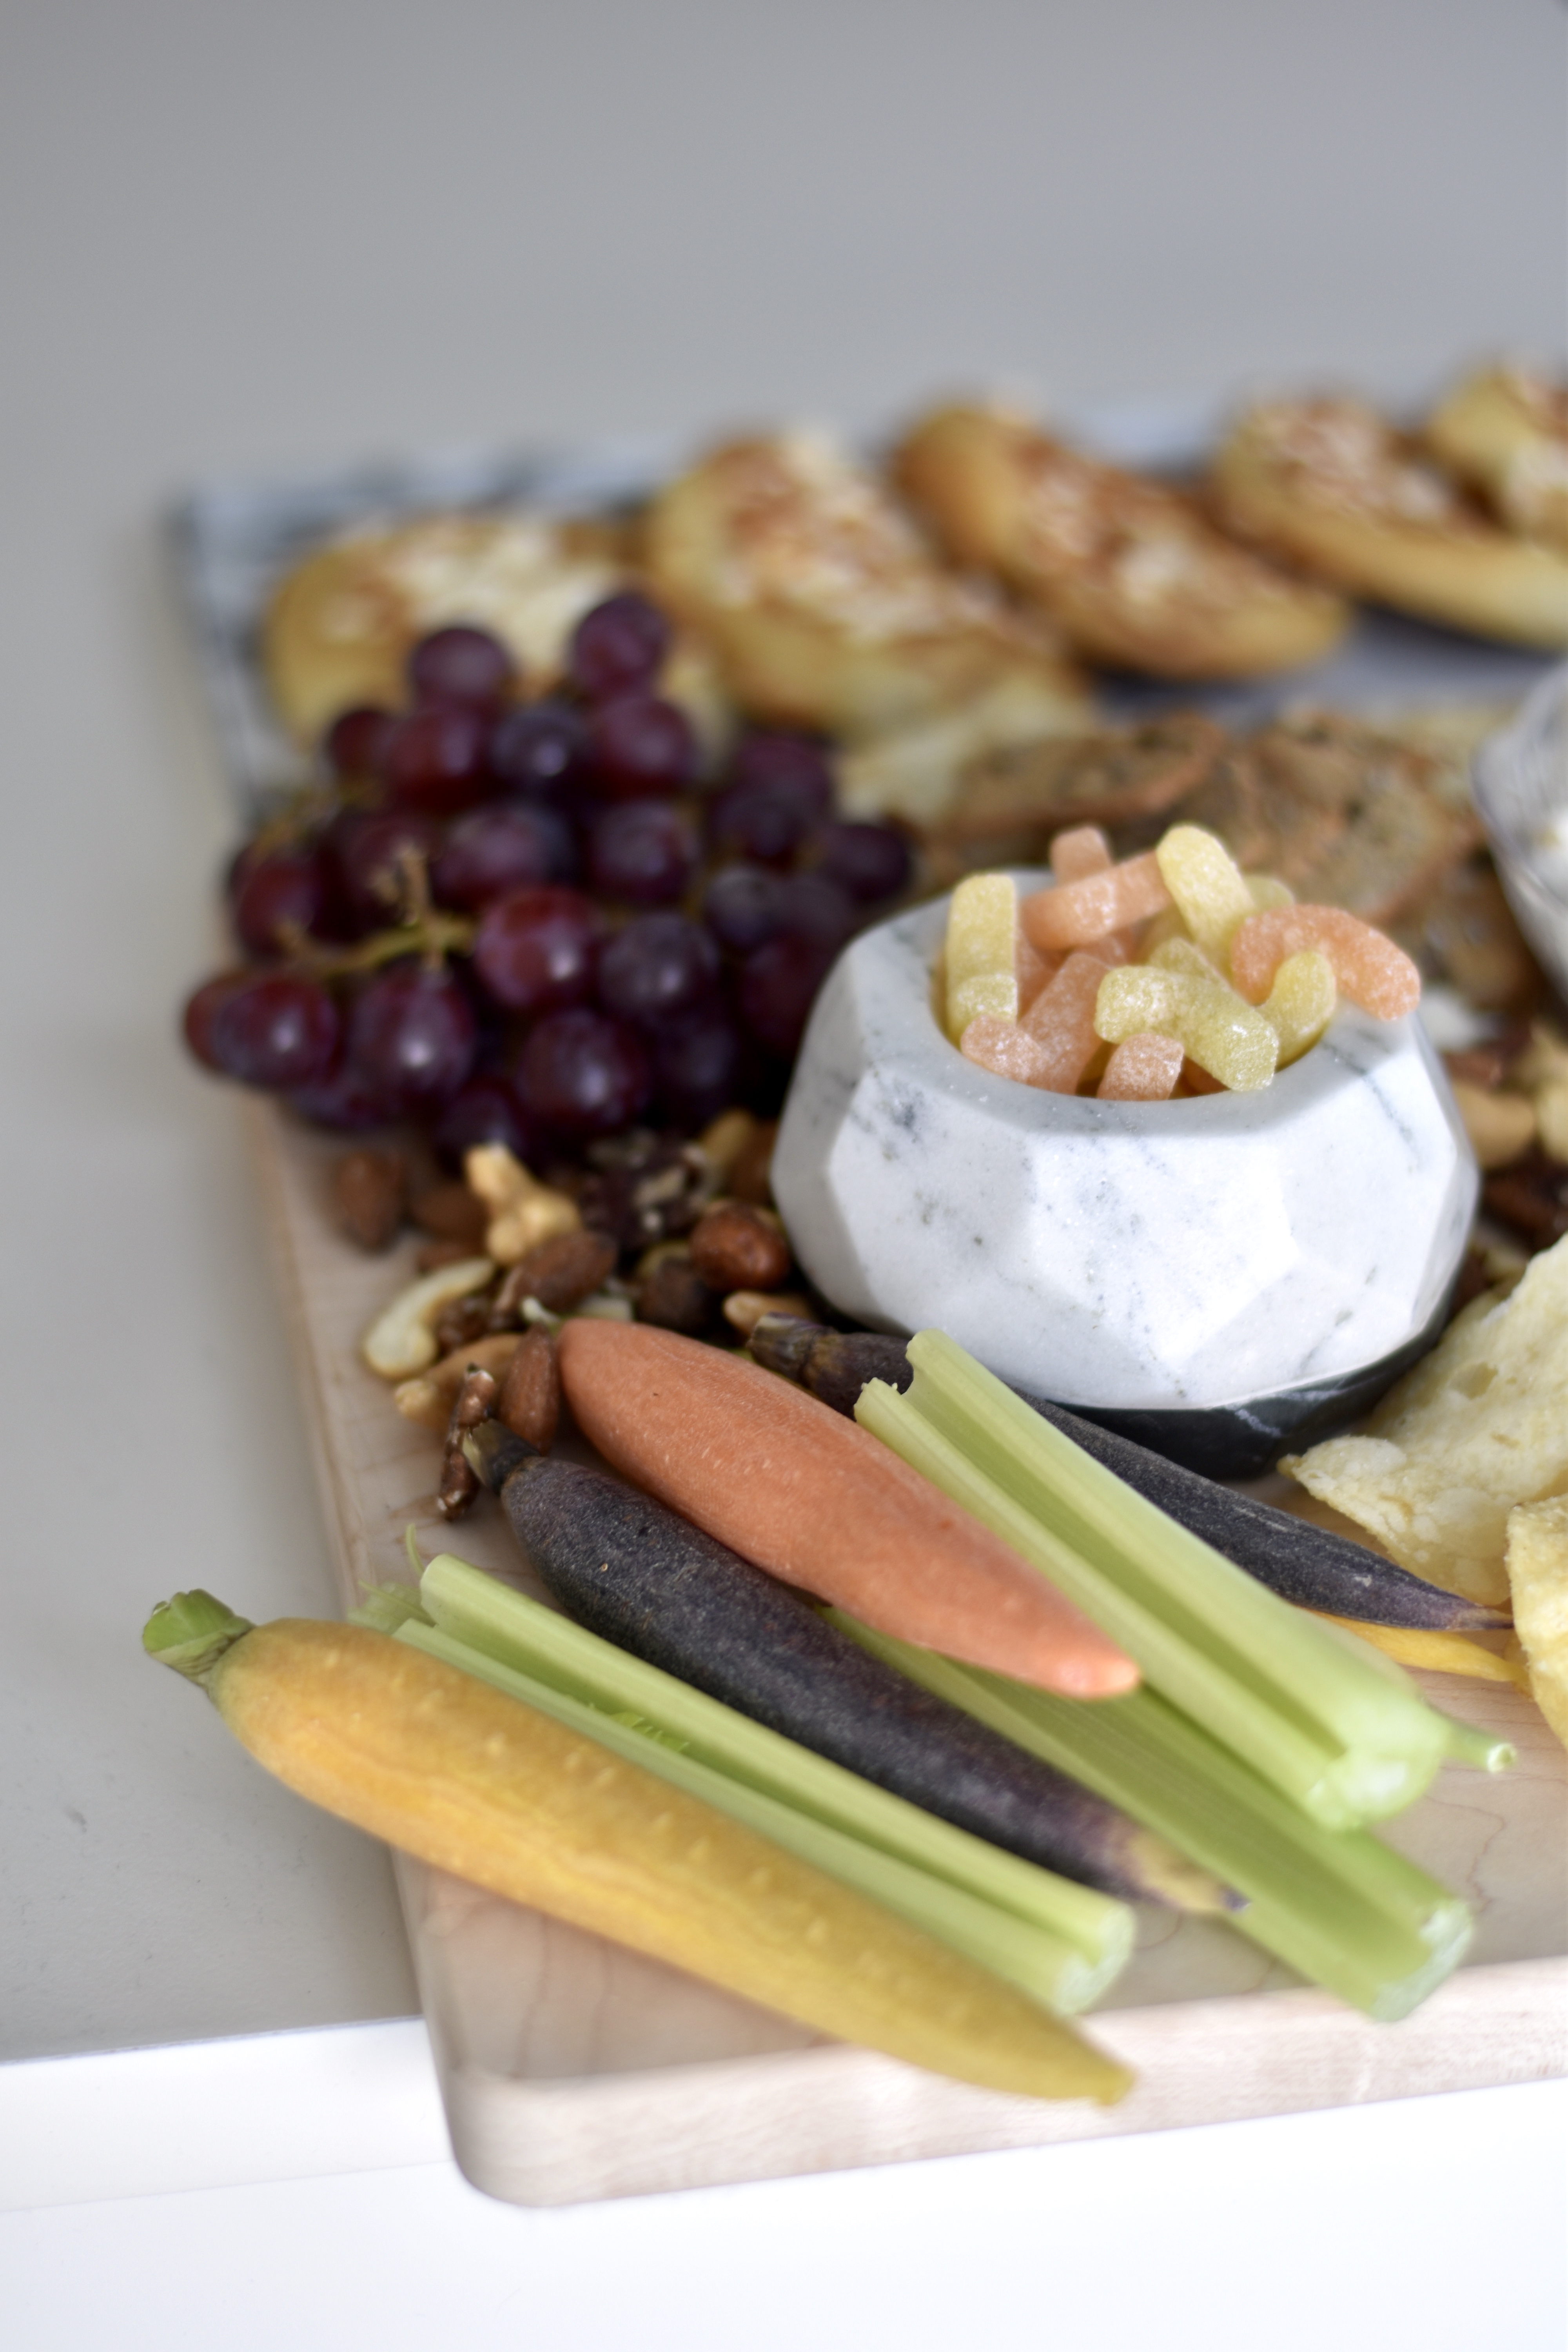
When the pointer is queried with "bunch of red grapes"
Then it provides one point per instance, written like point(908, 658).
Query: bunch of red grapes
point(525, 921)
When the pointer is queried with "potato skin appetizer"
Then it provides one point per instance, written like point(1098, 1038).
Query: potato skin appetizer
point(1133, 573)
point(829, 610)
point(1329, 484)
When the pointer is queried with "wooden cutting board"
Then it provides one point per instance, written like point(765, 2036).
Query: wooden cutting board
point(572, 2069)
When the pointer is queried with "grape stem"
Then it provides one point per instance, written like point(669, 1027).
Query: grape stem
point(422, 929)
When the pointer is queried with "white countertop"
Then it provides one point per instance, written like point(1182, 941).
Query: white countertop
point(268, 239)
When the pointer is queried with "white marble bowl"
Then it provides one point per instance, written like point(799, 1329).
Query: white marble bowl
point(1521, 792)
point(1216, 1276)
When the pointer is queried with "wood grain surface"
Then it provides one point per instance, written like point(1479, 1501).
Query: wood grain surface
point(572, 2069)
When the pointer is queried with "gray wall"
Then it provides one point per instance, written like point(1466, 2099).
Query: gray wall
point(318, 225)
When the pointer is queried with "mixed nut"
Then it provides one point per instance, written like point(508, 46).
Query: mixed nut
point(649, 1227)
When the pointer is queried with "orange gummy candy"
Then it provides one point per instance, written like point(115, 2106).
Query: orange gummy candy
point(1003, 1048)
point(1143, 1068)
point(1060, 1022)
point(1370, 969)
point(1079, 914)
point(1080, 852)
point(1033, 970)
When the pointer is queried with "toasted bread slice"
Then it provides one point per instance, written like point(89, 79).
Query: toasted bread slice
point(1106, 778)
point(1132, 572)
point(341, 624)
point(1390, 836)
point(1329, 484)
point(1013, 801)
point(1505, 432)
point(828, 610)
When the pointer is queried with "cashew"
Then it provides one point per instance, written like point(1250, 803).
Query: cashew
point(402, 1341)
point(523, 1212)
point(728, 1137)
point(1500, 1125)
point(1543, 1060)
point(1551, 1116)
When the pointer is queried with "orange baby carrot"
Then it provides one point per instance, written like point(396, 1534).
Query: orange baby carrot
point(811, 1497)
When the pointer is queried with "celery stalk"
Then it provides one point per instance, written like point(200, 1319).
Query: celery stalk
point(1339, 1907)
point(505, 1625)
point(1339, 1734)
point(1045, 1965)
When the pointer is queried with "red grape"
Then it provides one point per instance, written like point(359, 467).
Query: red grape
point(460, 664)
point(276, 1030)
point(582, 1074)
point(767, 760)
point(200, 1012)
point(365, 850)
point(778, 984)
point(620, 645)
point(435, 759)
point(355, 744)
point(288, 887)
point(754, 821)
point(741, 906)
point(640, 744)
point(657, 968)
point(342, 1101)
point(644, 851)
point(413, 1035)
point(696, 1063)
point(536, 949)
point(810, 907)
point(485, 1111)
point(506, 845)
point(540, 748)
point(869, 861)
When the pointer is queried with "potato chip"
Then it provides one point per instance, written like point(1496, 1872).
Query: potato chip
point(1480, 1426)
point(1538, 1576)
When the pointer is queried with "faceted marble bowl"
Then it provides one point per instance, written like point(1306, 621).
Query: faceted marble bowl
point(1217, 1277)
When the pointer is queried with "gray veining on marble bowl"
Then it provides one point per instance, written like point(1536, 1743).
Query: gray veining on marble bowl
point(1217, 1276)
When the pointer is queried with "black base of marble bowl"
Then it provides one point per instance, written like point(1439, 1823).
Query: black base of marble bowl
point(1244, 1440)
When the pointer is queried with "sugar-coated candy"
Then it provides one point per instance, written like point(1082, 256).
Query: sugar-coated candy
point(1300, 1005)
point(1186, 955)
point(1079, 914)
point(1267, 890)
point(1206, 884)
point(981, 930)
point(1032, 970)
point(1223, 1034)
point(1370, 969)
point(1082, 850)
point(1143, 1068)
point(1060, 1023)
point(1004, 1048)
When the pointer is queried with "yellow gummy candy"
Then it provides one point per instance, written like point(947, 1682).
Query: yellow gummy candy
point(1206, 884)
point(1218, 1029)
point(1186, 955)
point(982, 931)
point(1166, 925)
point(1267, 890)
point(1300, 1005)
